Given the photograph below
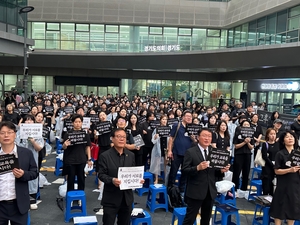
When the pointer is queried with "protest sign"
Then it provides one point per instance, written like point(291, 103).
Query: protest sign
point(68, 124)
point(295, 158)
point(46, 132)
point(163, 131)
point(138, 141)
point(32, 130)
point(69, 110)
point(86, 123)
point(104, 127)
point(8, 162)
point(24, 110)
point(212, 128)
point(130, 177)
point(247, 132)
point(192, 129)
point(94, 118)
point(49, 109)
point(77, 137)
point(172, 121)
point(218, 158)
point(153, 124)
point(142, 119)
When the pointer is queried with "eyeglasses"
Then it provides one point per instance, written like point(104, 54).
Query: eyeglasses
point(2, 133)
point(120, 137)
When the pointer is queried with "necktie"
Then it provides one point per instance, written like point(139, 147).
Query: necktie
point(205, 154)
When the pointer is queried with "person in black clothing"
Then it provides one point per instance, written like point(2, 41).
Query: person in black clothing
point(135, 129)
point(285, 204)
point(11, 116)
point(147, 136)
point(242, 157)
point(76, 154)
point(258, 132)
point(7, 99)
point(221, 138)
point(296, 126)
point(269, 150)
point(275, 115)
point(278, 128)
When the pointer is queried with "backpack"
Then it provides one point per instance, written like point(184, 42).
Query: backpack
point(174, 198)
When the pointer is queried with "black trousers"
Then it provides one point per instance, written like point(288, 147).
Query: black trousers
point(176, 162)
point(193, 208)
point(72, 171)
point(10, 211)
point(123, 212)
point(242, 164)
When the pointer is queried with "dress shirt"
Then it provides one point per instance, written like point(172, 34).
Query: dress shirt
point(8, 182)
point(202, 151)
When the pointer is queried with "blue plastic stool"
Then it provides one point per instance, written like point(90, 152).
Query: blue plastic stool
point(221, 199)
point(180, 214)
point(256, 171)
point(226, 212)
point(297, 222)
point(262, 220)
point(58, 165)
point(93, 220)
point(156, 203)
point(28, 219)
point(258, 185)
point(146, 220)
point(75, 196)
point(148, 177)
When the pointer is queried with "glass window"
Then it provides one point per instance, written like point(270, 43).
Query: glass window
point(80, 45)
point(213, 33)
point(198, 38)
point(112, 90)
point(182, 90)
point(224, 88)
point(67, 31)
point(12, 14)
point(271, 24)
point(281, 21)
point(295, 11)
point(92, 89)
point(38, 83)
point(155, 30)
point(81, 88)
point(97, 28)
point(38, 30)
point(136, 86)
point(196, 89)
point(244, 33)
point(49, 83)
point(52, 40)
point(261, 22)
point(294, 23)
point(230, 38)
point(52, 26)
point(185, 31)
point(60, 89)
point(67, 45)
point(2, 12)
point(82, 27)
point(252, 33)
point(69, 89)
point(154, 87)
point(125, 33)
point(82, 36)
point(9, 82)
point(111, 37)
point(210, 92)
point(103, 91)
point(111, 29)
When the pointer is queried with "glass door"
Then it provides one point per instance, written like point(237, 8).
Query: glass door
point(253, 97)
point(286, 103)
point(273, 101)
point(262, 97)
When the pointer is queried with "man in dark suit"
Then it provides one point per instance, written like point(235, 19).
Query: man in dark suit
point(115, 201)
point(201, 189)
point(14, 193)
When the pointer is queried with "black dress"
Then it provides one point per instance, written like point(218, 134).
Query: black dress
point(286, 200)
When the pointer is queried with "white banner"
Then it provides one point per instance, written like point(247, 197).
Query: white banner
point(131, 177)
point(32, 130)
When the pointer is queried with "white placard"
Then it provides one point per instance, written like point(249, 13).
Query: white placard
point(86, 123)
point(131, 177)
point(33, 130)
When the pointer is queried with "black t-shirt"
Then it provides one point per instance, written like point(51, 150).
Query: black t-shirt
point(296, 127)
point(75, 154)
point(221, 143)
point(239, 139)
point(14, 117)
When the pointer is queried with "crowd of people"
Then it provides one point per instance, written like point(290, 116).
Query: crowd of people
point(115, 122)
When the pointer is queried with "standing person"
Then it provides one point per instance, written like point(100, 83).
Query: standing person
point(159, 150)
point(76, 156)
point(242, 159)
point(296, 126)
point(269, 150)
point(14, 195)
point(116, 202)
point(35, 145)
point(257, 134)
point(200, 189)
point(11, 116)
point(178, 143)
point(286, 200)
point(275, 115)
point(221, 137)
point(135, 129)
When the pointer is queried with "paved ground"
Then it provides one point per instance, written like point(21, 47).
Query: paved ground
point(48, 212)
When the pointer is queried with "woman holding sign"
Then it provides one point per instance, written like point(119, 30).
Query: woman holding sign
point(160, 137)
point(242, 158)
point(221, 138)
point(286, 200)
point(77, 154)
point(35, 145)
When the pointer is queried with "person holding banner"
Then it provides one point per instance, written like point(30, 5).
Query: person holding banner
point(160, 137)
point(286, 200)
point(269, 150)
point(35, 145)
point(201, 188)
point(242, 157)
point(14, 190)
point(116, 202)
point(76, 145)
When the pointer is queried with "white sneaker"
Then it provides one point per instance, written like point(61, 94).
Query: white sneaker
point(79, 203)
point(240, 194)
point(33, 206)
